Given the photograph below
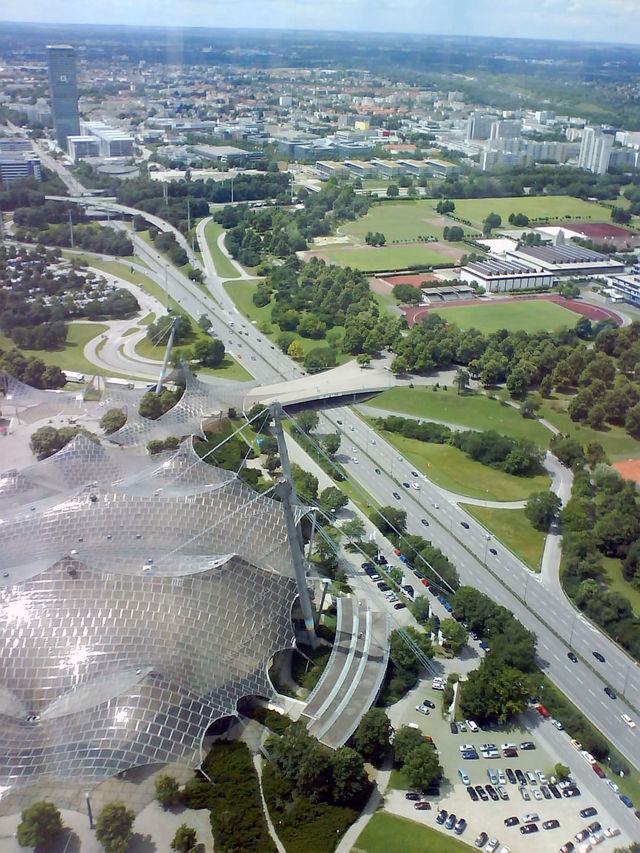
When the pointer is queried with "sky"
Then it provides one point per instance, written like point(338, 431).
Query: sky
point(575, 20)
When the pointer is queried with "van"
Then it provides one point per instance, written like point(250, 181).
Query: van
point(464, 777)
point(472, 726)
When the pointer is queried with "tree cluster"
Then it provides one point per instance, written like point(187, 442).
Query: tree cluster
point(407, 294)
point(47, 440)
point(453, 233)
point(375, 239)
point(154, 405)
point(166, 242)
point(417, 756)
point(32, 371)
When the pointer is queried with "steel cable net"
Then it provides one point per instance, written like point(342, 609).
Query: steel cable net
point(140, 599)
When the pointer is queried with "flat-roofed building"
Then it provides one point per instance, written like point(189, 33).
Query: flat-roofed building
point(595, 150)
point(82, 146)
point(416, 168)
point(388, 168)
point(442, 168)
point(495, 275)
point(327, 169)
point(360, 168)
point(566, 259)
point(111, 142)
point(627, 287)
point(18, 160)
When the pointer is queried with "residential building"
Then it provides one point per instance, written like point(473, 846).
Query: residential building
point(506, 129)
point(64, 92)
point(595, 150)
point(479, 126)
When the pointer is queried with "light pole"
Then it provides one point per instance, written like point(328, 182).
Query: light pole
point(166, 286)
point(573, 625)
point(86, 796)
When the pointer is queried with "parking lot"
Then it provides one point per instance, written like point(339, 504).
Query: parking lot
point(489, 816)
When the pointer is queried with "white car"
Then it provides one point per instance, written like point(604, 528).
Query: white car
point(467, 747)
point(587, 756)
point(541, 777)
point(627, 719)
point(492, 845)
point(537, 794)
point(416, 486)
point(422, 709)
point(355, 460)
point(501, 777)
point(613, 786)
point(472, 726)
point(558, 725)
point(508, 746)
point(611, 831)
point(505, 849)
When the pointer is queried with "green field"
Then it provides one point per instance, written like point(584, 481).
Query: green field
point(476, 411)
point(388, 257)
point(615, 582)
point(229, 369)
point(401, 221)
point(529, 315)
point(616, 442)
point(510, 527)
point(70, 356)
point(223, 265)
point(551, 207)
point(242, 294)
point(452, 469)
point(386, 833)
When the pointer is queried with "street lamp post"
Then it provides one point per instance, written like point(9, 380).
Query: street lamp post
point(86, 796)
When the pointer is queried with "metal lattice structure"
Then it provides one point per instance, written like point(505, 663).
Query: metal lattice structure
point(140, 599)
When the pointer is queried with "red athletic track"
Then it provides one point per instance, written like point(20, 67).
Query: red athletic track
point(419, 312)
point(414, 280)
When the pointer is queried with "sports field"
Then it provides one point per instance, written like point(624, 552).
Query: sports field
point(551, 207)
point(388, 257)
point(405, 220)
point(528, 315)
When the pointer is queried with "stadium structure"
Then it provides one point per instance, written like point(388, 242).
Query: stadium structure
point(142, 597)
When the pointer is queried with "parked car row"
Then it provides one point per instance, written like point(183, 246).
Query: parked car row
point(450, 821)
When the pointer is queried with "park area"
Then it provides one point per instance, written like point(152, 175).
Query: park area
point(530, 315)
point(399, 257)
point(385, 833)
point(552, 208)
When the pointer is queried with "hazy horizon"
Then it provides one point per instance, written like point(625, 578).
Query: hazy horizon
point(599, 21)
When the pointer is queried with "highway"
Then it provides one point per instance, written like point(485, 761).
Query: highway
point(503, 577)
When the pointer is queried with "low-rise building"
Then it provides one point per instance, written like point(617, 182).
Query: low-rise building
point(566, 259)
point(495, 275)
point(18, 160)
point(442, 168)
point(327, 169)
point(626, 287)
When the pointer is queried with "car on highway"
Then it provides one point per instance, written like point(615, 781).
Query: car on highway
point(415, 474)
point(378, 471)
point(415, 486)
point(493, 551)
point(613, 786)
point(465, 524)
point(573, 657)
point(598, 656)
point(626, 801)
point(481, 840)
point(610, 693)
point(528, 828)
point(558, 725)
point(511, 821)
point(436, 506)
point(425, 522)
point(406, 485)
point(396, 496)
point(627, 719)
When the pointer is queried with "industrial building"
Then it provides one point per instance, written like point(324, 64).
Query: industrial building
point(498, 276)
point(80, 147)
point(111, 142)
point(64, 91)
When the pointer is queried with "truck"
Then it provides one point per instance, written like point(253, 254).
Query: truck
point(118, 383)
point(73, 376)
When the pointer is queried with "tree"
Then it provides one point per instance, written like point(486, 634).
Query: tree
point(420, 608)
point(331, 443)
point(363, 359)
point(421, 766)
point(393, 191)
point(332, 499)
point(561, 771)
point(307, 420)
point(390, 519)
point(461, 379)
point(350, 780)
point(445, 205)
point(113, 827)
point(493, 690)
point(405, 740)
point(209, 351)
point(493, 220)
point(167, 790)
point(272, 463)
point(541, 509)
point(404, 655)
point(632, 421)
point(113, 420)
point(295, 350)
point(454, 635)
point(185, 840)
point(41, 825)
point(353, 530)
point(372, 738)
point(304, 483)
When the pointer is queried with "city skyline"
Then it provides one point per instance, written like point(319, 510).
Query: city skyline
point(564, 20)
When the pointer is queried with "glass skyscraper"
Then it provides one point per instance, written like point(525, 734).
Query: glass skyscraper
point(64, 92)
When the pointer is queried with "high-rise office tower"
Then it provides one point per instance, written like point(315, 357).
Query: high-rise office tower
point(595, 150)
point(64, 92)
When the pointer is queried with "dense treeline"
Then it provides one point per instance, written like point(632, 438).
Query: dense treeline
point(514, 456)
point(32, 371)
point(165, 241)
point(314, 299)
point(602, 519)
point(540, 180)
point(602, 375)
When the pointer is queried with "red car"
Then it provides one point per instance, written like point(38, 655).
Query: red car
point(422, 805)
point(598, 770)
point(543, 711)
point(425, 582)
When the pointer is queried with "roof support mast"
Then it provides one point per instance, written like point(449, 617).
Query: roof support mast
point(167, 355)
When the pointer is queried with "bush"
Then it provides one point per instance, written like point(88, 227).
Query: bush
point(41, 824)
point(167, 790)
point(113, 827)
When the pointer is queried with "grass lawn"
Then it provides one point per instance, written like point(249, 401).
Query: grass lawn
point(528, 315)
point(511, 528)
point(242, 294)
point(229, 369)
point(406, 220)
point(552, 207)
point(70, 356)
point(452, 469)
point(388, 257)
point(222, 264)
point(476, 411)
point(616, 442)
point(386, 833)
point(615, 581)
point(398, 780)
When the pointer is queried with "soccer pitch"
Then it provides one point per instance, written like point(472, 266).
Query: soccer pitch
point(406, 220)
point(530, 315)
